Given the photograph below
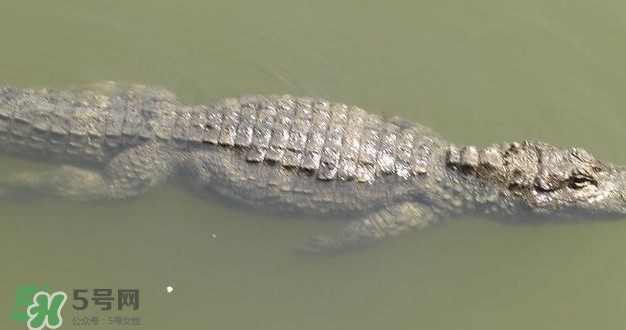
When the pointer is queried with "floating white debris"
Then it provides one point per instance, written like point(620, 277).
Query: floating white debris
point(213, 236)
point(169, 289)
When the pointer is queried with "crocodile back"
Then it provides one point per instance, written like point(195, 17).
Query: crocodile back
point(329, 141)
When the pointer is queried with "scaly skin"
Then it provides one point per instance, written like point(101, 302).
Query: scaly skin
point(289, 155)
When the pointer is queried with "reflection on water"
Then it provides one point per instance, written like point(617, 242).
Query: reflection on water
point(478, 73)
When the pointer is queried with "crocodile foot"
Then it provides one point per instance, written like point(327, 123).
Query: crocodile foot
point(360, 234)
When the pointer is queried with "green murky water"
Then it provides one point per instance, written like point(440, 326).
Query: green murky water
point(477, 72)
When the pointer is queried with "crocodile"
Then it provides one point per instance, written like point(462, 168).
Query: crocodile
point(298, 156)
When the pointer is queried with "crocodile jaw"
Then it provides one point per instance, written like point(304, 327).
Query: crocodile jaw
point(604, 200)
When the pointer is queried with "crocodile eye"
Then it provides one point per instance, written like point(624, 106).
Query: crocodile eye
point(580, 179)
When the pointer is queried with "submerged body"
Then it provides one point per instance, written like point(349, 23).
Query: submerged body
point(292, 155)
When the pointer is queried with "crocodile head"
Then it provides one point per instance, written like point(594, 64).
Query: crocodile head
point(547, 181)
point(567, 183)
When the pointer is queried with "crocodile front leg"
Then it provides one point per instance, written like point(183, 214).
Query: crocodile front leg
point(129, 174)
point(359, 234)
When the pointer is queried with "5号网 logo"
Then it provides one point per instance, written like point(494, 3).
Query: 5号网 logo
point(43, 309)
